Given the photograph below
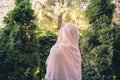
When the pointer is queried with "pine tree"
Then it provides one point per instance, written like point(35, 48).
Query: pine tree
point(98, 51)
point(20, 56)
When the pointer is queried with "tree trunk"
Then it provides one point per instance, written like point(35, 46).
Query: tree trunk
point(60, 16)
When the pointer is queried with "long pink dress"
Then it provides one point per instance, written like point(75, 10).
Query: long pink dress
point(64, 60)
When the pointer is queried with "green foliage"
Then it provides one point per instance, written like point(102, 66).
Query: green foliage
point(96, 56)
point(47, 14)
point(46, 39)
point(24, 9)
point(46, 42)
point(75, 15)
point(99, 50)
point(19, 48)
point(100, 13)
point(116, 50)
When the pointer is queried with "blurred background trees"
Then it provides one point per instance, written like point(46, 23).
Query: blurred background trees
point(31, 28)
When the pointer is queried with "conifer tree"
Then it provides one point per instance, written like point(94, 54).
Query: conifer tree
point(98, 51)
point(20, 56)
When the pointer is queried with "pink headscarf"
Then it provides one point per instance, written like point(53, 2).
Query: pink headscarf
point(64, 60)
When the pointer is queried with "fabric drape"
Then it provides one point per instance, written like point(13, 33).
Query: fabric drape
point(64, 60)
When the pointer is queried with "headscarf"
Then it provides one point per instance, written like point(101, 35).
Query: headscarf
point(64, 60)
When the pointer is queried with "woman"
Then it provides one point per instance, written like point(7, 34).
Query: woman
point(64, 60)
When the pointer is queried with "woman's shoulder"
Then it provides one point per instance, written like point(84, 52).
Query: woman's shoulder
point(58, 47)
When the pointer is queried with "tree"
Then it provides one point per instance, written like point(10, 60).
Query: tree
point(51, 13)
point(116, 51)
point(98, 49)
point(20, 57)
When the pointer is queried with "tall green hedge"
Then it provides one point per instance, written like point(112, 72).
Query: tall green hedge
point(98, 45)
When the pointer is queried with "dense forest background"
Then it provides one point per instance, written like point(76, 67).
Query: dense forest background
point(29, 30)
